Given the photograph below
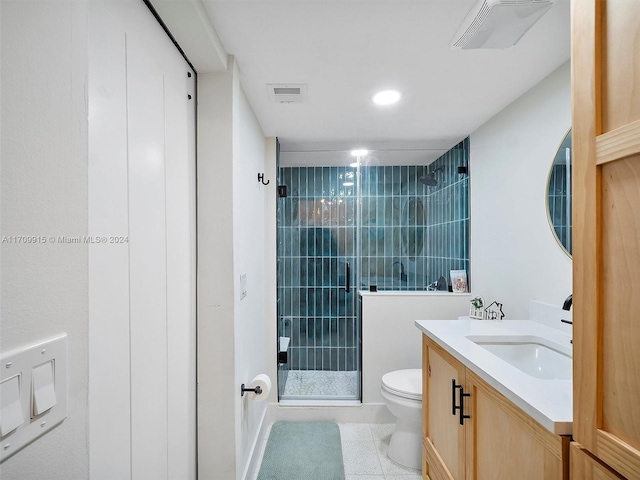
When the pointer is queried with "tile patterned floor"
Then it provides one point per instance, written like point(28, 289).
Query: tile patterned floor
point(364, 452)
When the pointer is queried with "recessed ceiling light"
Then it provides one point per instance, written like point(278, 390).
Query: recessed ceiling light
point(386, 97)
point(359, 153)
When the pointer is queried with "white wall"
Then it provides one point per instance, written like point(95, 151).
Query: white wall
point(251, 318)
point(216, 277)
point(44, 192)
point(142, 290)
point(514, 255)
point(232, 344)
point(390, 339)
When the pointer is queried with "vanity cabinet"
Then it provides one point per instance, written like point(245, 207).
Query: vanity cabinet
point(489, 438)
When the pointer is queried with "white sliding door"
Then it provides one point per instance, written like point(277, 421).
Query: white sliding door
point(142, 279)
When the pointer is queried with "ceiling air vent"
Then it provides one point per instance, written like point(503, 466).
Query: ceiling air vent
point(287, 92)
point(498, 23)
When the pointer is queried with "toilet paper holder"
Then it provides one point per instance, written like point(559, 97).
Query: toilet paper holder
point(257, 390)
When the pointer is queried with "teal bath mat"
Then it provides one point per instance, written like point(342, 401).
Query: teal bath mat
point(303, 451)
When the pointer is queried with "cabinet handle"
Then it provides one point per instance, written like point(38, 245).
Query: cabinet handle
point(454, 387)
point(462, 415)
point(458, 408)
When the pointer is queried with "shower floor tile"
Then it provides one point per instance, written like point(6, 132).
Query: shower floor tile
point(316, 383)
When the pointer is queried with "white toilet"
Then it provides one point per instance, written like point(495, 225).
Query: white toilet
point(402, 393)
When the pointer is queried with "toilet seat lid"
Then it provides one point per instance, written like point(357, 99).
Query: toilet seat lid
point(404, 383)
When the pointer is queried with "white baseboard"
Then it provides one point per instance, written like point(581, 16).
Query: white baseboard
point(345, 412)
point(255, 456)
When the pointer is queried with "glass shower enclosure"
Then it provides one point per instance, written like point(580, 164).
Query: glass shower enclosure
point(358, 223)
point(317, 252)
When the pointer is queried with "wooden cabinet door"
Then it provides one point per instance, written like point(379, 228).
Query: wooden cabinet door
point(504, 443)
point(444, 441)
point(585, 467)
point(606, 230)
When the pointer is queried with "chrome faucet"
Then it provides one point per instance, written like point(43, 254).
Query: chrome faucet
point(567, 303)
point(567, 306)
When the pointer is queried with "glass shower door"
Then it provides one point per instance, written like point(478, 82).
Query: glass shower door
point(317, 284)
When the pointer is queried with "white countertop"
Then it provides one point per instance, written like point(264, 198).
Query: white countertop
point(549, 402)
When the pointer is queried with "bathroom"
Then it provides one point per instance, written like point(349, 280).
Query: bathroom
point(507, 217)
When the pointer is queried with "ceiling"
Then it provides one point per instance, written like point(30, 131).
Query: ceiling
point(346, 50)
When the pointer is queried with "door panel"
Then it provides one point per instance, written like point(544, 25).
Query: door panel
point(445, 436)
point(585, 467)
point(620, 370)
point(606, 99)
point(142, 200)
point(620, 94)
point(497, 427)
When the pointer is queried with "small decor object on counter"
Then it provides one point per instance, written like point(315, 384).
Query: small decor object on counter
point(494, 311)
point(459, 280)
point(477, 308)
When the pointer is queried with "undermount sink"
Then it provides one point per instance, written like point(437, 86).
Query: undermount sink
point(536, 356)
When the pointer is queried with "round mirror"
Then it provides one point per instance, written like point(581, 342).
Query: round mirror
point(559, 195)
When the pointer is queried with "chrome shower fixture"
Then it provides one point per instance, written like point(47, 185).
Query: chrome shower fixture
point(430, 178)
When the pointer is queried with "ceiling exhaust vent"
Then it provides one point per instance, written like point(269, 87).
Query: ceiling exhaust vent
point(287, 92)
point(498, 23)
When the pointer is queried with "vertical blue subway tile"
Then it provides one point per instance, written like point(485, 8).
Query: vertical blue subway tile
point(311, 358)
point(333, 362)
point(285, 178)
point(380, 212)
point(404, 180)
point(316, 188)
point(304, 173)
point(325, 190)
point(306, 182)
point(333, 332)
point(311, 332)
point(302, 332)
point(301, 304)
point(388, 183)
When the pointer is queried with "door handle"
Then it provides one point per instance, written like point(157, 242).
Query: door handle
point(348, 280)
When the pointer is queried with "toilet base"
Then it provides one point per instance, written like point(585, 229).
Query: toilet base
point(405, 447)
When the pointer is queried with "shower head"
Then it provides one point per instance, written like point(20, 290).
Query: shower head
point(430, 178)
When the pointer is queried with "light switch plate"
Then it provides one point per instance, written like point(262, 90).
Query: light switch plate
point(11, 415)
point(22, 361)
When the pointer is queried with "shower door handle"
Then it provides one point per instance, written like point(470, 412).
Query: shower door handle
point(348, 278)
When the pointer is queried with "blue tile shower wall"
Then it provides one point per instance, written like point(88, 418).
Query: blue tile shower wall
point(413, 230)
point(411, 234)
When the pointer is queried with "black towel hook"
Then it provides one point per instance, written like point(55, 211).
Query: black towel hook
point(261, 179)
